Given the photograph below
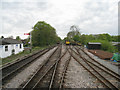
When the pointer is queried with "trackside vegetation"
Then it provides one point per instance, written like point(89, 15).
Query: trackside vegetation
point(105, 39)
point(106, 46)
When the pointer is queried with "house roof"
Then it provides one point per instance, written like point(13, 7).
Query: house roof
point(94, 43)
point(5, 41)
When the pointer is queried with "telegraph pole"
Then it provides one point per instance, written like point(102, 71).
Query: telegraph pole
point(30, 41)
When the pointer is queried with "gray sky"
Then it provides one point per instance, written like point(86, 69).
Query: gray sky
point(92, 16)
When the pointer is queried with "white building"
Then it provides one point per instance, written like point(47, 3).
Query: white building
point(10, 46)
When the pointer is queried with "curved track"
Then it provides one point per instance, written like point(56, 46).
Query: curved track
point(104, 76)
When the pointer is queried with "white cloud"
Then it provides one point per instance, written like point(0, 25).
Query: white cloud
point(91, 16)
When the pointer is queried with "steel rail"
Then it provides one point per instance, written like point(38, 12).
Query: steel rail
point(14, 63)
point(53, 74)
point(29, 82)
point(54, 67)
point(88, 70)
point(25, 57)
point(117, 78)
point(8, 76)
point(63, 74)
point(53, 78)
point(101, 64)
point(111, 86)
point(55, 70)
point(18, 63)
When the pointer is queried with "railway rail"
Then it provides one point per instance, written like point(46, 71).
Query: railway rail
point(50, 74)
point(101, 66)
point(42, 71)
point(47, 76)
point(102, 75)
point(64, 71)
point(9, 71)
point(57, 80)
point(93, 60)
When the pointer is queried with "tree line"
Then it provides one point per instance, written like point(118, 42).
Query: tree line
point(104, 38)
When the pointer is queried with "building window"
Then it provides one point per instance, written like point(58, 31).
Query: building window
point(20, 46)
point(6, 48)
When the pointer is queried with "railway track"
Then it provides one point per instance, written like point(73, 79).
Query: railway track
point(109, 80)
point(43, 70)
point(57, 80)
point(52, 71)
point(48, 75)
point(9, 71)
point(96, 62)
point(66, 64)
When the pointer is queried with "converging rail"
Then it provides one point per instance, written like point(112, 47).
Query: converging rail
point(103, 66)
point(47, 76)
point(43, 70)
point(58, 79)
point(95, 70)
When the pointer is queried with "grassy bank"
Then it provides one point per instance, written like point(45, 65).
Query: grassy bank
point(19, 55)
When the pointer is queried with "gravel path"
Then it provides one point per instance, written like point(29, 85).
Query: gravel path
point(78, 77)
point(26, 73)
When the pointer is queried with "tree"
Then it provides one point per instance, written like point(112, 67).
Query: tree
point(83, 39)
point(74, 31)
point(105, 36)
point(44, 34)
point(76, 38)
point(75, 28)
point(18, 38)
point(2, 37)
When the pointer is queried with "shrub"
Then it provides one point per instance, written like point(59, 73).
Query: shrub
point(106, 46)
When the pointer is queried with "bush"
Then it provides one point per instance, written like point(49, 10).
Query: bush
point(107, 46)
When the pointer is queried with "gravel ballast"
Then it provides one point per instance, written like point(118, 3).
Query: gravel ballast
point(78, 77)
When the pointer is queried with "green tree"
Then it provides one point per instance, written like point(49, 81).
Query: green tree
point(18, 38)
point(83, 39)
point(1, 37)
point(74, 31)
point(44, 34)
point(104, 36)
point(76, 38)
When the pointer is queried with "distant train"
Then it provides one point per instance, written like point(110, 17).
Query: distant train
point(68, 42)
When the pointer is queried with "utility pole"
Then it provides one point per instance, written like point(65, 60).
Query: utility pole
point(30, 41)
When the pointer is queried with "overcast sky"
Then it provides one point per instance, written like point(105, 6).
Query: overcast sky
point(92, 16)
